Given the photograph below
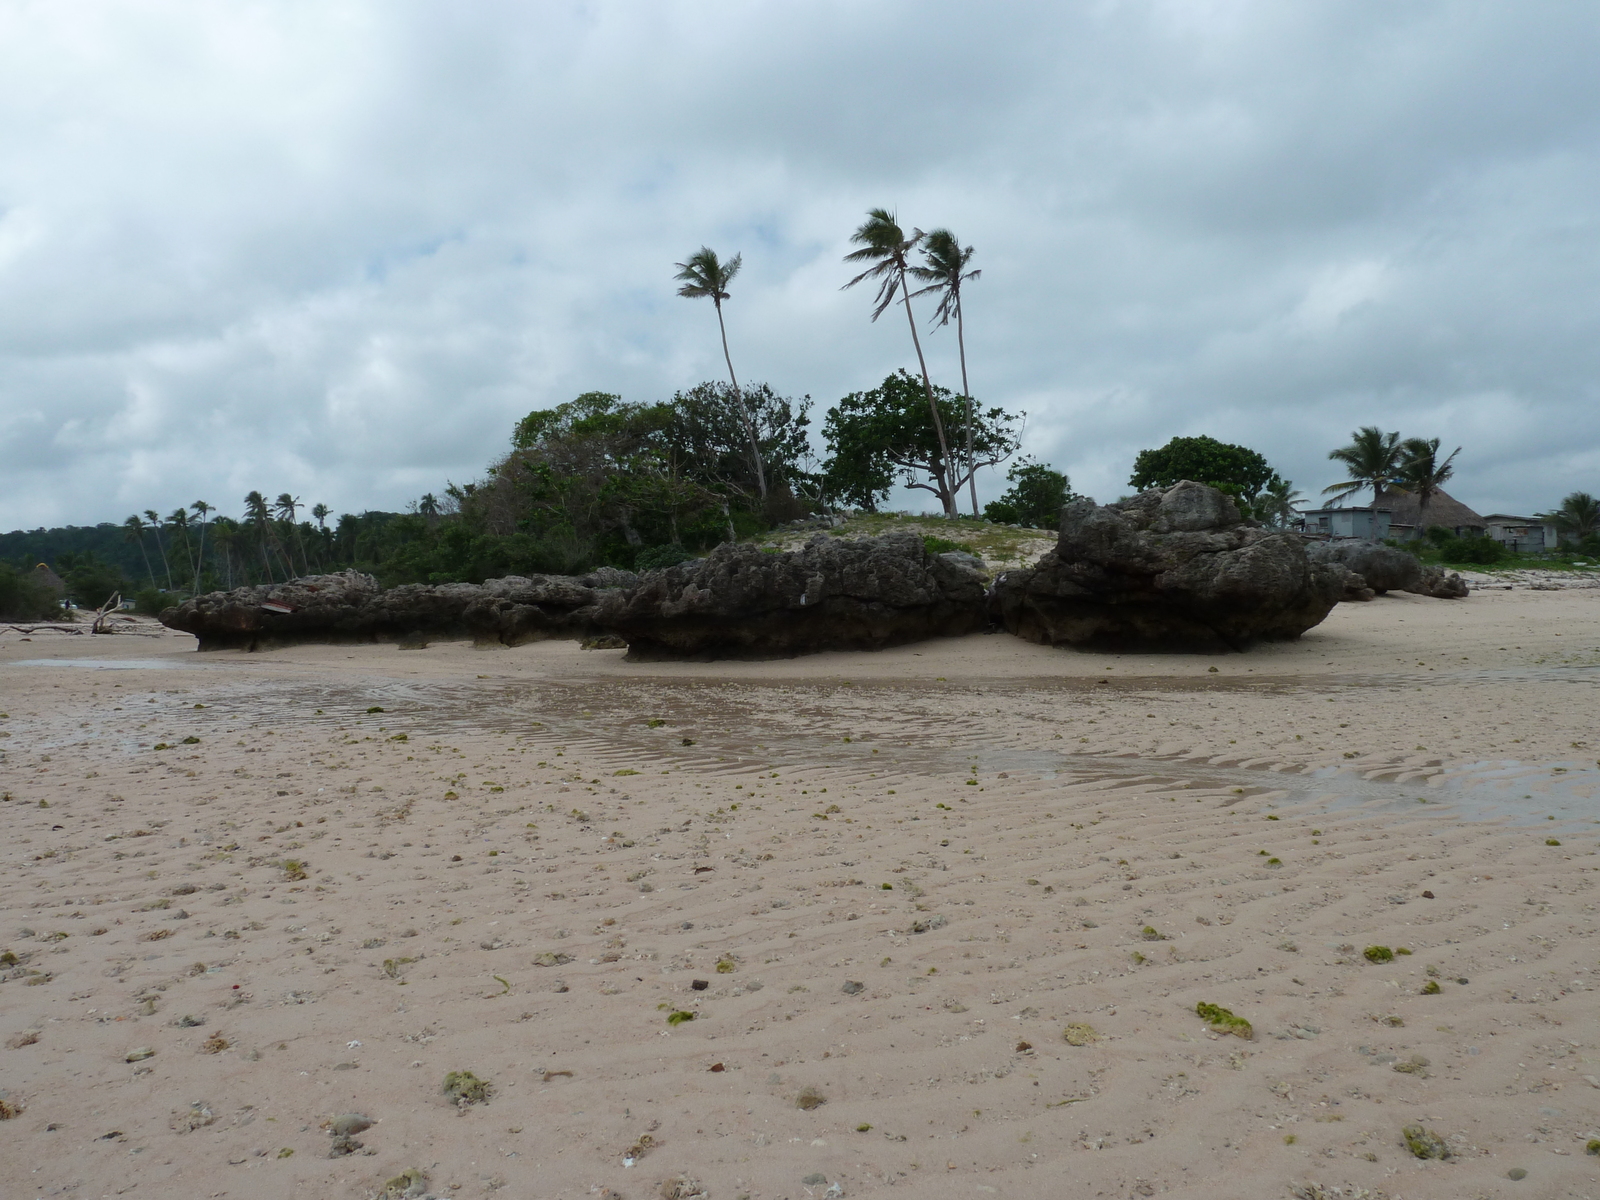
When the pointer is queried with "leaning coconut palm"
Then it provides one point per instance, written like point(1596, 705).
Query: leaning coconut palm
point(1373, 460)
point(257, 512)
point(945, 273)
point(134, 527)
point(202, 509)
point(154, 518)
point(286, 509)
point(705, 275)
point(885, 246)
point(1423, 475)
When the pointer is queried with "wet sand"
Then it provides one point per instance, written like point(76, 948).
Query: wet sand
point(899, 877)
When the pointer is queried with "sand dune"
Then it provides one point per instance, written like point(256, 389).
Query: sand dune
point(885, 882)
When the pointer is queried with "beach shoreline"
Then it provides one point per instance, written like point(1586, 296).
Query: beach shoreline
point(900, 875)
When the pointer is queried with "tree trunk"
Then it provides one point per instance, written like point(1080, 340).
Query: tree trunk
point(200, 561)
point(146, 554)
point(966, 395)
point(161, 550)
point(943, 475)
point(744, 411)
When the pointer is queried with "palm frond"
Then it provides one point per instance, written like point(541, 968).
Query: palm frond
point(705, 275)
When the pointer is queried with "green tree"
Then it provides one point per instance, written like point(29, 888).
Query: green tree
point(1373, 460)
point(886, 435)
point(1036, 496)
point(258, 516)
point(945, 272)
point(704, 439)
point(885, 246)
point(1577, 517)
point(1275, 505)
point(704, 275)
point(1422, 474)
point(1237, 470)
point(90, 582)
point(23, 597)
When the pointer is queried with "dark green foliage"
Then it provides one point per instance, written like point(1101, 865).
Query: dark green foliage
point(1474, 550)
point(1237, 470)
point(653, 558)
point(1036, 496)
point(878, 438)
point(939, 545)
point(90, 582)
point(24, 597)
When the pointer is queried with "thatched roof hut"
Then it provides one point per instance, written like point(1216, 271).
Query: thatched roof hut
point(1443, 509)
point(43, 574)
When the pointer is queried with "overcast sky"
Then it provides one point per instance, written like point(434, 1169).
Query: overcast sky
point(338, 248)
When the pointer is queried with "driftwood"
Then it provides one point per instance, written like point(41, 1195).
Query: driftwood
point(102, 615)
point(32, 629)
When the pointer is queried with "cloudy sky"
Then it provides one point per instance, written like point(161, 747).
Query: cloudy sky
point(338, 248)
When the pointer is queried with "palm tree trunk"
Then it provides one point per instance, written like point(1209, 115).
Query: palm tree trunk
point(938, 425)
point(744, 411)
point(201, 558)
point(146, 555)
point(966, 395)
point(165, 565)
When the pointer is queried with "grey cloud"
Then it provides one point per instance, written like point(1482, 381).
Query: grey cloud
point(340, 249)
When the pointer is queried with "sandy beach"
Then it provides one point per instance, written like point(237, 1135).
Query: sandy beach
point(929, 922)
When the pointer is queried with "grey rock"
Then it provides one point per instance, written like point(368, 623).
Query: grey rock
point(1384, 568)
point(1173, 568)
point(351, 607)
point(853, 987)
point(1440, 584)
point(832, 594)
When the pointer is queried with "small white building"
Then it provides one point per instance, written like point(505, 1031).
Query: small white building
point(1369, 524)
point(1521, 535)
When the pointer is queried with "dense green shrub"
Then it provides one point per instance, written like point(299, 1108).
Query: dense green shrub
point(1036, 496)
point(24, 597)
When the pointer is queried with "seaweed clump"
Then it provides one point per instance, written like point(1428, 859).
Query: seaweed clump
point(1223, 1021)
point(407, 1185)
point(1424, 1143)
point(1079, 1034)
point(465, 1088)
point(1378, 954)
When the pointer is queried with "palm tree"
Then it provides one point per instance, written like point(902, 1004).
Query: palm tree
point(945, 273)
point(1578, 516)
point(224, 533)
point(258, 512)
point(155, 527)
point(1422, 474)
point(320, 512)
point(1373, 460)
point(201, 508)
point(179, 520)
point(885, 246)
point(1275, 504)
point(135, 533)
point(704, 275)
point(286, 508)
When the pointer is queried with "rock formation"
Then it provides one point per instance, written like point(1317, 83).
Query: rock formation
point(1384, 568)
point(1440, 584)
point(832, 594)
point(1173, 568)
point(351, 607)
